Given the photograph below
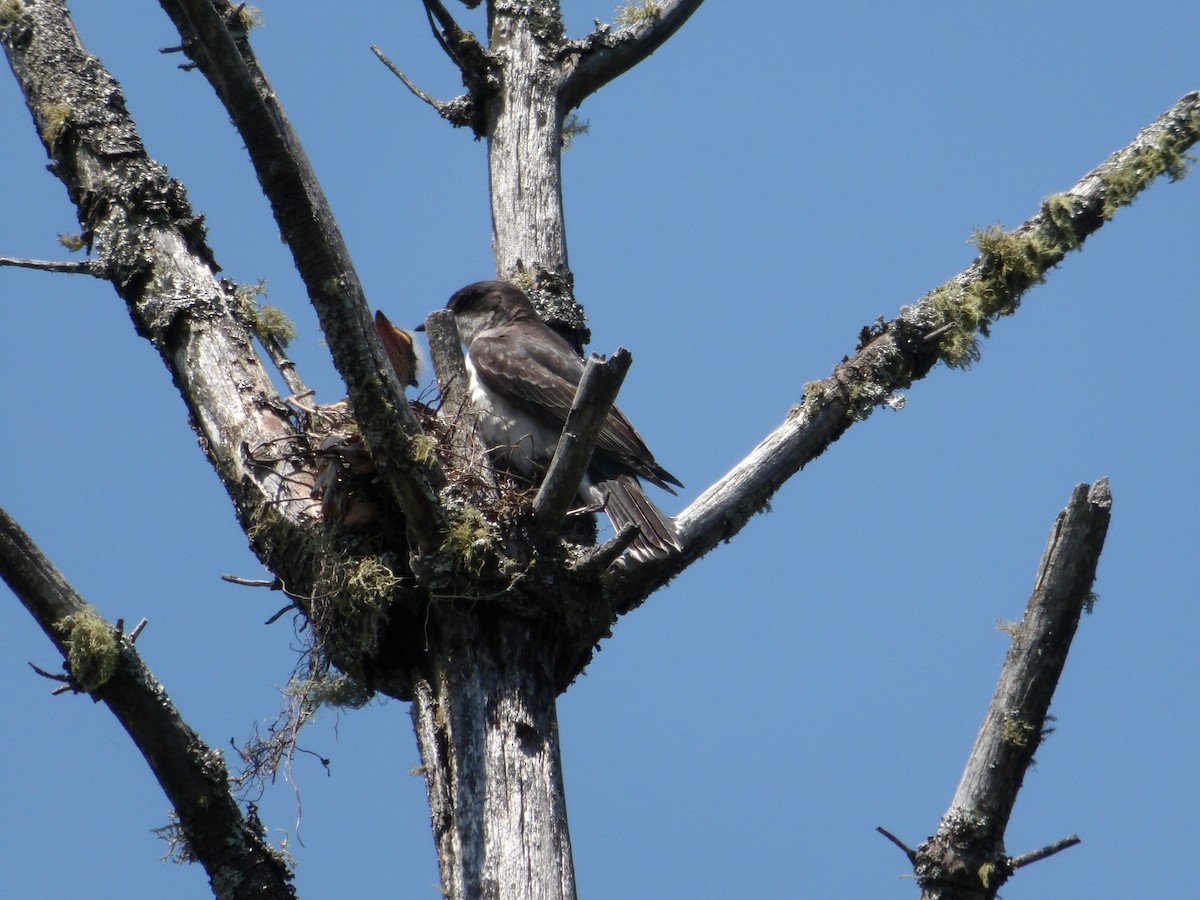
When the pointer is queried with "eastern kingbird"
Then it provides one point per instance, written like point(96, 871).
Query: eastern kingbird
point(522, 378)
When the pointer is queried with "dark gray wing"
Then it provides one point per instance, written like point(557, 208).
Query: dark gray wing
point(541, 376)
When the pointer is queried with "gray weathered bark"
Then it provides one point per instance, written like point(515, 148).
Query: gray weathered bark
point(945, 325)
point(215, 38)
point(966, 858)
point(525, 143)
point(488, 733)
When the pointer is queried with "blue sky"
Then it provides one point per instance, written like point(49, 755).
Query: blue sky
point(770, 181)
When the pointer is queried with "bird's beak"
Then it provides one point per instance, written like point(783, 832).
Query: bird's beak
point(398, 344)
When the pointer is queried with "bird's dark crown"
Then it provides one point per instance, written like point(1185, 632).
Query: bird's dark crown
point(488, 296)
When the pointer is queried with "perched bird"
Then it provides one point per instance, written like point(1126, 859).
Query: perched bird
point(401, 352)
point(522, 378)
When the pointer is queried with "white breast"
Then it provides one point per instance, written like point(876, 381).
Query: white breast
point(510, 434)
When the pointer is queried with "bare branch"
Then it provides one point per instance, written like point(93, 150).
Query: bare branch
point(283, 365)
point(1014, 724)
point(968, 848)
point(459, 112)
point(395, 70)
point(908, 851)
point(445, 349)
point(192, 775)
point(594, 398)
point(1026, 859)
point(71, 267)
point(439, 16)
point(607, 53)
point(461, 46)
point(892, 355)
point(215, 38)
point(272, 583)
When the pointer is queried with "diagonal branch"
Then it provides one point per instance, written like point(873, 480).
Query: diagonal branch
point(945, 325)
point(104, 662)
point(450, 34)
point(594, 397)
point(461, 46)
point(1015, 722)
point(215, 38)
point(606, 53)
point(966, 858)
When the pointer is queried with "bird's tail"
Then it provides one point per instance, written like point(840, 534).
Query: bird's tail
point(626, 503)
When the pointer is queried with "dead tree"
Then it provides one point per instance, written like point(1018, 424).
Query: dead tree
point(966, 858)
point(448, 587)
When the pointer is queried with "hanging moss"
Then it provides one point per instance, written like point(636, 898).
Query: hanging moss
point(269, 323)
point(951, 304)
point(249, 17)
point(11, 12)
point(55, 118)
point(633, 13)
point(336, 690)
point(1123, 183)
point(814, 395)
point(469, 538)
point(73, 242)
point(361, 583)
point(573, 127)
point(1061, 210)
point(93, 648)
point(1017, 733)
point(1014, 261)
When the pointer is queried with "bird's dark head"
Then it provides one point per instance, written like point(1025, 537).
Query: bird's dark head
point(486, 304)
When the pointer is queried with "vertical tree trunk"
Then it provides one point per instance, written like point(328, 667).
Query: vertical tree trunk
point(525, 140)
point(484, 711)
point(488, 733)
